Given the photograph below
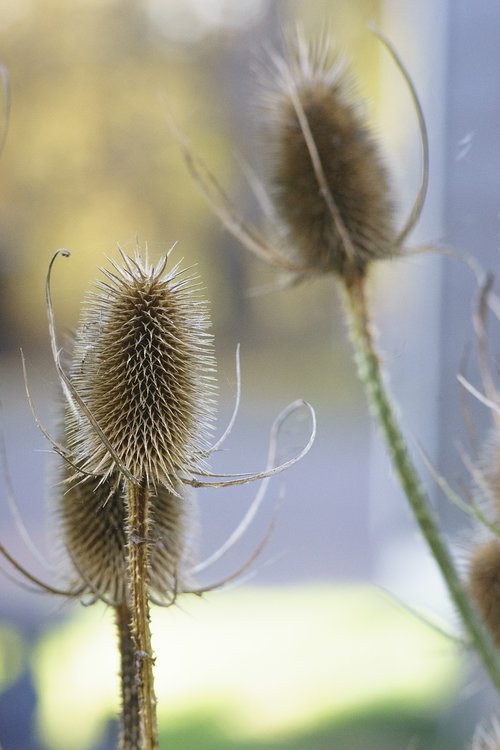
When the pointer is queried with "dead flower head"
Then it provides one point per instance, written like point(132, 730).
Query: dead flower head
point(139, 407)
point(484, 584)
point(143, 364)
point(330, 207)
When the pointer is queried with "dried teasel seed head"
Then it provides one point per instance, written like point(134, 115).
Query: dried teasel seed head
point(143, 365)
point(329, 182)
point(92, 517)
point(484, 584)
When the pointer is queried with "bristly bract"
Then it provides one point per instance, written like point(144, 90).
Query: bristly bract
point(139, 401)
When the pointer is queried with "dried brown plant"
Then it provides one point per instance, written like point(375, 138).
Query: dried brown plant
point(317, 136)
point(139, 406)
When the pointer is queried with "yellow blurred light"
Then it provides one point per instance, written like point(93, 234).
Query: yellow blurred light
point(263, 662)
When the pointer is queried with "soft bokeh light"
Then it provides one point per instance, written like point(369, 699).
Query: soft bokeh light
point(191, 20)
point(261, 663)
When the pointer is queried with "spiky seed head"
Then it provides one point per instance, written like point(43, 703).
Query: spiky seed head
point(93, 519)
point(484, 584)
point(355, 175)
point(143, 364)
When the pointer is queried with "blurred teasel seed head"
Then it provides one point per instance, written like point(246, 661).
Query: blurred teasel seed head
point(329, 182)
point(92, 516)
point(143, 364)
point(484, 562)
point(484, 584)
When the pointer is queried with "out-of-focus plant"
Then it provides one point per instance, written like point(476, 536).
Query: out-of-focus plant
point(330, 211)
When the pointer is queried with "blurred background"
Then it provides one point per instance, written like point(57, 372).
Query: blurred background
point(325, 646)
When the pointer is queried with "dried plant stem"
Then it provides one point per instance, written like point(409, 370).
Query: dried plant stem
point(369, 370)
point(130, 735)
point(138, 559)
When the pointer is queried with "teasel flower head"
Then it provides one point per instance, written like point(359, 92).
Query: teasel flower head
point(484, 584)
point(141, 376)
point(143, 366)
point(329, 207)
point(484, 558)
point(329, 182)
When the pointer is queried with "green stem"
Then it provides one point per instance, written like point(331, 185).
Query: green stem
point(370, 374)
point(138, 560)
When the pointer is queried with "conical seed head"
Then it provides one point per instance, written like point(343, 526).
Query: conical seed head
point(143, 364)
point(353, 170)
point(92, 517)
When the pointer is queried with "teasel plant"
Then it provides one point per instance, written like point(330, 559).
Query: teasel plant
point(329, 210)
point(139, 394)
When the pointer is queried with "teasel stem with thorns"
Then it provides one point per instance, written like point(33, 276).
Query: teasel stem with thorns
point(333, 213)
point(139, 405)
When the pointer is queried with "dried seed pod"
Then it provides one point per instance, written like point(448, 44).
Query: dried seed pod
point(143, 365)
point(484, 584)
point(93, 522)
point(330, 185)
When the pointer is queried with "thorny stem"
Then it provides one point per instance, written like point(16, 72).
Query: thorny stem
point(130, 730)
point(138, 559)
point(370, 373)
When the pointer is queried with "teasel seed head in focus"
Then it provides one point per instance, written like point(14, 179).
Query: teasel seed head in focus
point(143, 365)
point(139, 393)
point(484, 557)
point(330, 207)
